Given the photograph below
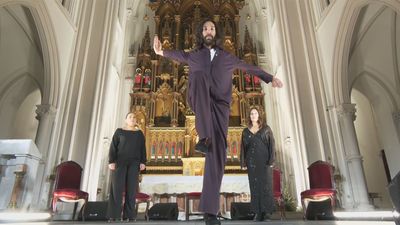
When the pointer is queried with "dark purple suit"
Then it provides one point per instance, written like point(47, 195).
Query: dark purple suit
point(210, 94)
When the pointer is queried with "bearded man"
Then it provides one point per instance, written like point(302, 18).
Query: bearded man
point(209, 96)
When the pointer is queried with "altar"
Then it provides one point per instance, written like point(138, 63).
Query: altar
point(172, 188)
point(178, 184)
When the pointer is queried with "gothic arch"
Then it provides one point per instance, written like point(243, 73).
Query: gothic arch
point(341, 87)
point(51, 84)
point(383, 88)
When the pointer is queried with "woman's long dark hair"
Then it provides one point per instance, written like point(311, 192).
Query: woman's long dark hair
point(260, 121)
point(199, 34)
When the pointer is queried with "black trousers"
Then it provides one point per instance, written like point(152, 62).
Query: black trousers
point(212, 121)
point(124, 179)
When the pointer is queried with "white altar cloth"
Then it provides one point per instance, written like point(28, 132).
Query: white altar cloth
point(178, 184)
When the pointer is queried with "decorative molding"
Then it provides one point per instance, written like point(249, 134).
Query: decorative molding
point(45, 110)
point(264, 13)
point(354, 157)
point(347, 109)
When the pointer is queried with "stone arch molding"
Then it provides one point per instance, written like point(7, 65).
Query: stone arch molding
point(347, 24)
point(386, 90)
point(51, 85)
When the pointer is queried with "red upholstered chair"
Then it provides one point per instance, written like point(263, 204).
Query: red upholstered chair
point(67, 186)
point(277, 187)
point(322, 186)
point(191, 196)
point(143, 198)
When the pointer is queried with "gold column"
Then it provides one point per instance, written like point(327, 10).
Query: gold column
point(237, 18)
point(19, 175)
point(157, 20)
point(178, 28)
point(174, 119)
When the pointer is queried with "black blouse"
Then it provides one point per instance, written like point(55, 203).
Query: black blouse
point(263, 139)
point(127, 146)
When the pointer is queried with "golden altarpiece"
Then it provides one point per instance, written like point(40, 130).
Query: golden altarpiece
point(160, 85)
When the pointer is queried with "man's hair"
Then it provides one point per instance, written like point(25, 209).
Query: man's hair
point(260, 121)
point(199, 34)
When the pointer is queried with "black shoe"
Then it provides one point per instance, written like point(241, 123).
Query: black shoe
point(262, 217)
point(256, 217)
point(112, 220)
point(129, 220)
point(211, 219)
point(202, 146)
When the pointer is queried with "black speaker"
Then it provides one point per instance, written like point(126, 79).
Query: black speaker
point(164, 211)
point(241, 211)
point(321, 210)
point(94, 211)
point(394, 191)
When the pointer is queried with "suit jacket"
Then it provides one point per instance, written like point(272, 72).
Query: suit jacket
point(219, 70)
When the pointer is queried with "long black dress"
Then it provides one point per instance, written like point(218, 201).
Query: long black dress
point(258, 153)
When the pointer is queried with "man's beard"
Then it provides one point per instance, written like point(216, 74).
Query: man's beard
point(209, 42)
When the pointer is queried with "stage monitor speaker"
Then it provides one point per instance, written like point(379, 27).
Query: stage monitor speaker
point(394, 191)
point(241, 211)
point(320, 210)
point(164, 211)
point(94, 211)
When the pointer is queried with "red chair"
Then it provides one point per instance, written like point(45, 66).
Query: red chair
point(67, 186)
point(322, 186)
point(143, 198)
point(191, 196)
point(277, 187)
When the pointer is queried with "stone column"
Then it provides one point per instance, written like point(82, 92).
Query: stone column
point(45, 114)
point(352, 157)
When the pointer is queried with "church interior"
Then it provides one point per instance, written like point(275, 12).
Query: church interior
point(70, 70)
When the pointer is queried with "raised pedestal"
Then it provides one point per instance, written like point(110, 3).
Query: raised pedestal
point(19, 162)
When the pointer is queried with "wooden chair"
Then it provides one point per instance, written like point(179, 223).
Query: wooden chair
point(67, 186)
point(143, 198)
point(322, 186)
point(190, 197)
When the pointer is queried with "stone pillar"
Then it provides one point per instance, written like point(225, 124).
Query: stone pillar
point(352, 157)
point(45, 114)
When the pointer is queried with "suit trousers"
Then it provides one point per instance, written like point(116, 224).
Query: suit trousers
point(212, 121)
point(124, 179)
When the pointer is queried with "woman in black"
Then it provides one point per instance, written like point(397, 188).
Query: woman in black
point(126, 157)
point(258, 154)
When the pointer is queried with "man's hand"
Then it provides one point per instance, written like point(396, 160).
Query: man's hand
point(142, 166)
point(276, 82)
point(157, 46)
point(111, 166)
